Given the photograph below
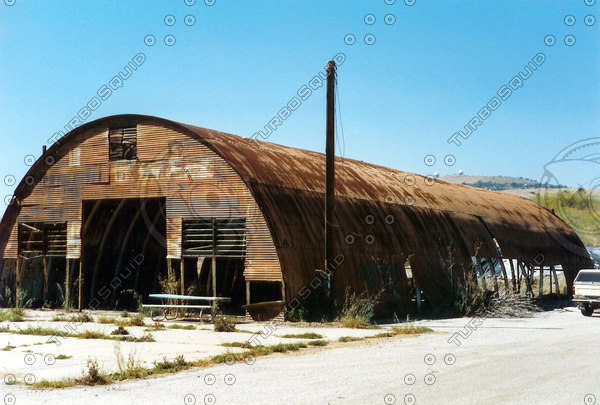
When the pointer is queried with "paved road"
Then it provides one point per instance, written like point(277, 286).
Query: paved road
point(553, 358)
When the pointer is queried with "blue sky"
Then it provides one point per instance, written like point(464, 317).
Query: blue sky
point(234, 64)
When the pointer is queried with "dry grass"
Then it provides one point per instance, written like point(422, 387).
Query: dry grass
point(12, 315)
point(183, 327)
point(410, 329)
point(8, 347)
point(577, 208)
point(345, 339)
point(88, 334)
point(155, 327)
point(243, 345)
point(307, 335)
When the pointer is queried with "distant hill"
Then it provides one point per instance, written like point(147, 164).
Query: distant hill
point(499, 183)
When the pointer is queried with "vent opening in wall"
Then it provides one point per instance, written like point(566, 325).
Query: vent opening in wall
point(122, 143)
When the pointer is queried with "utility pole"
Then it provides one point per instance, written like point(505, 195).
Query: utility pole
point(330, 174)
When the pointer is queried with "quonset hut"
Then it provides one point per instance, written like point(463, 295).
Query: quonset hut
point(122, 201)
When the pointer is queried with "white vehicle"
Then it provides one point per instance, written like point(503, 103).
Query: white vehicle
point(586, 291)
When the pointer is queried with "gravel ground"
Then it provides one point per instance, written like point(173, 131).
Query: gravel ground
point(551, 358)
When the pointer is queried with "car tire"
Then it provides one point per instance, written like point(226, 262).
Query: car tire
point(587, 310)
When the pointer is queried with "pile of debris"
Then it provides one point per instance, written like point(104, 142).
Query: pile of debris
point(510, 306)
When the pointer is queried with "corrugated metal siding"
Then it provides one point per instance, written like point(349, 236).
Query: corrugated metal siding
point(194, 179)
point(94, 146)
point(11, 250)
point(205, 171)
point(439, 222)
point(200, 184)
point(278, 166)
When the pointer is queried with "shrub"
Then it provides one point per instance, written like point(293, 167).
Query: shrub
point(169, 284)
point(129, 300)
point(144, 310)
point(59, 318)
point(176, 364)
point(224, 324)
point(81, 318)
point(358, 310)
point(136, 320)
point(472, 299)
point(93, 375)
point(18, 311)
point(285, 347)
point(298, 314)
point(156, 326)
point(56, 296)
point(382, 335)
point(129, 368)
point(22, 301)
point(12, 315)
point(318, 343)
point(229, 357)
point(120, 331)
point(6, 298)
point(146, 337)
point(91, 334)
point(354, 322)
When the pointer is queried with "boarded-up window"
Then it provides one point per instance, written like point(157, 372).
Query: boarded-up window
point(214, 237)
point(123, 143)
point(38, 239)
point(75, 156)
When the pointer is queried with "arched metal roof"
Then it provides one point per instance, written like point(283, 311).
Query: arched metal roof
point(405, 213)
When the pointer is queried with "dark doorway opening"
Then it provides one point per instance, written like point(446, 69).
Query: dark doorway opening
point(33, 281)
point(123, 250)
point(229, 279)
point(230, 283)
point(42, 253)
point(261, 291)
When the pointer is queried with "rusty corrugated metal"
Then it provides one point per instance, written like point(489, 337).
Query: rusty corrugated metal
point(431, 218)
point(388, 215)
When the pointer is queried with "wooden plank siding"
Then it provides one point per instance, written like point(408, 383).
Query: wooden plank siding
point(196, 182)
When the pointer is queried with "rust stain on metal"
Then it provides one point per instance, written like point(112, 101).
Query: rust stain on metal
point(382, 214)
